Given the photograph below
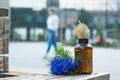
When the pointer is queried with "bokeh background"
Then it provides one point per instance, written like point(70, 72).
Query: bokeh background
point(28, 19)
point(29, 31)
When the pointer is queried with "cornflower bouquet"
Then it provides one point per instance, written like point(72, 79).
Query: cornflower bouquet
point(63, 63)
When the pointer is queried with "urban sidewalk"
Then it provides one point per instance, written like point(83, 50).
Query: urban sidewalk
point(30, 55)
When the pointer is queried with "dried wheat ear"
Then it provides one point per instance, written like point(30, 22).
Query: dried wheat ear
point(81, 31)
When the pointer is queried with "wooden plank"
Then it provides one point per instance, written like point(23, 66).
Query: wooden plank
point(3, 64)
point(4, 26)
point(4, 34)
point(1, 46)
point(98, 76)
point(4, 45)
point(2, 22)
point(43, 74)
point(94, 76)
point(3, 12)
point(7, 26)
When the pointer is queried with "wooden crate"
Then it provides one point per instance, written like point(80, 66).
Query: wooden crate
point(2, 24)
point(6, 26)
point(4, 34)
point(3, 12)
point(1, 46)
point(4, 43)
point(3, 64)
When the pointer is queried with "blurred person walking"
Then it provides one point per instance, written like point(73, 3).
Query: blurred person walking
point(52, 25)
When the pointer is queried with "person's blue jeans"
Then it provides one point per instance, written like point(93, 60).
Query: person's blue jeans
point(51, 40)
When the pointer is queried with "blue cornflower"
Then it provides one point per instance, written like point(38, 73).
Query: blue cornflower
point(58, 69)
point(75, 63)
point(60, 66)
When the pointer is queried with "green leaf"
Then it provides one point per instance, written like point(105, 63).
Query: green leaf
point(60, 52)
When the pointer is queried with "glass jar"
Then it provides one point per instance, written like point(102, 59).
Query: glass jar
point(83, 54)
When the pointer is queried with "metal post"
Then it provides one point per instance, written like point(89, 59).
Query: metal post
point(106, 20)
point(28, 33)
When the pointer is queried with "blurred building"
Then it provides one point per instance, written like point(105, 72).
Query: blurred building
point(113, 26)
point(27, 18)
point(30, 19)
point(99, 17)
point(68, 17)
point(52, 3)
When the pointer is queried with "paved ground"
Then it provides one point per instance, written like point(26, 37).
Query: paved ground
point(29, 55)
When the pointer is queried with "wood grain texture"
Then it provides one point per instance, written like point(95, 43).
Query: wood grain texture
point(7, 26)
point(4, 34)
point(4, 45)
point(2, 23)
point(3, 64)
point(3, 12)
point(43, 74)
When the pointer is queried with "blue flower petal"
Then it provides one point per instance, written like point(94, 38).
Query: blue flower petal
point(76, 63)
point(61, 66)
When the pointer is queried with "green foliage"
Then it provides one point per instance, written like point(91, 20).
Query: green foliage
point(60, 52)
point(39, 37)
point(18, 36)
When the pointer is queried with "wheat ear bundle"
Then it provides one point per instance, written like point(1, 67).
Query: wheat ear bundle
point(81, 31)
